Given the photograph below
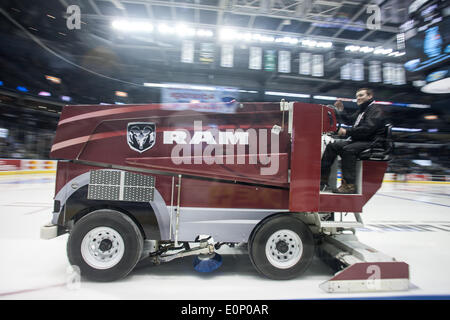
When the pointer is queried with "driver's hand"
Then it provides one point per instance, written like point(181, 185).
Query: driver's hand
point(339, 105)
point(342, 132)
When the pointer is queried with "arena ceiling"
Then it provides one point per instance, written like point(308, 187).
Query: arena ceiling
point(94, 61)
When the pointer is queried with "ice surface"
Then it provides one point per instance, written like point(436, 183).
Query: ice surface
point(410, 222)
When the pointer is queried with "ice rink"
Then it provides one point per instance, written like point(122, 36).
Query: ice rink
point(409, 221)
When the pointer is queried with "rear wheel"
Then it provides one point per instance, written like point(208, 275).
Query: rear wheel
point(282, 247)
point(105, 245)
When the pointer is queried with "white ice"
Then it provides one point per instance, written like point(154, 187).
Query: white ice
point(31, 268)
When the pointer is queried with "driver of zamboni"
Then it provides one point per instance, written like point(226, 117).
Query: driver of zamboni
point(368, 124)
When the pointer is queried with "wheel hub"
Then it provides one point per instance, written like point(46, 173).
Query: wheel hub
point(105, 245)
point(284, 249)
point(102, 248)
point(282, 246)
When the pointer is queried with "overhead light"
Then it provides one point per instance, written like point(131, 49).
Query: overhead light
point(227, 34)
point(441, 86)
point(256, 36)
point(324, 45)
point(431, 117)
point(53, 79)
point(309, 43)
point(383, 51)
point(419, 83)
point(287, 40)
point(44, 94)
point(419, 106)
point(230, 34)
point(325, 98)
point(352, 48)
point(287, 94)
point(22, 89)
point(396, 54)
point(406, 129)
point(184, 31)
point(50, 16)
point(132, 26)
point(398, 104)
point(245, 36)
point(316, 44)
point(204, 33)
point(385, 103)
point(347, 99)
point(180, 86)
point(247, 91)
point(150, 84)
point(264, 38)
point(1, 83)
point(194, 87)
point(165, 29)
point(66, 98)
point(366, 49)
point(121, 94)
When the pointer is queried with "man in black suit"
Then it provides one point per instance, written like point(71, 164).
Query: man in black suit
point(368, 124)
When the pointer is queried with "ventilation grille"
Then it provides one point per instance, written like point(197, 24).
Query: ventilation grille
point(117, 185)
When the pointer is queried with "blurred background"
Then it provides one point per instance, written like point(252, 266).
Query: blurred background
point(62, 52)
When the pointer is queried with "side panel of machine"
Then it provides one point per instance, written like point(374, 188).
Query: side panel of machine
point(226, 213)
point(373, 173)
point(223, 224)
point(71, 199)
point(305, 157)
point(79, 204)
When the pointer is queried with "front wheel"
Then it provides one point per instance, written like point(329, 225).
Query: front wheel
point(282, 247)
point(105, 244)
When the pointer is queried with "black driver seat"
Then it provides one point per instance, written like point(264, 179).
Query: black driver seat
point(381, 149)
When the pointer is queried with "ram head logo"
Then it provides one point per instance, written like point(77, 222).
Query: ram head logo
point(141, 135)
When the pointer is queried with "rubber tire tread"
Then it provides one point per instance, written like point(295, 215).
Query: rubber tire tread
point(261, 234)
point(118, 221)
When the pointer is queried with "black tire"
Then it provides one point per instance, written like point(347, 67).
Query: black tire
point(295, 246)
point(130, 245)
